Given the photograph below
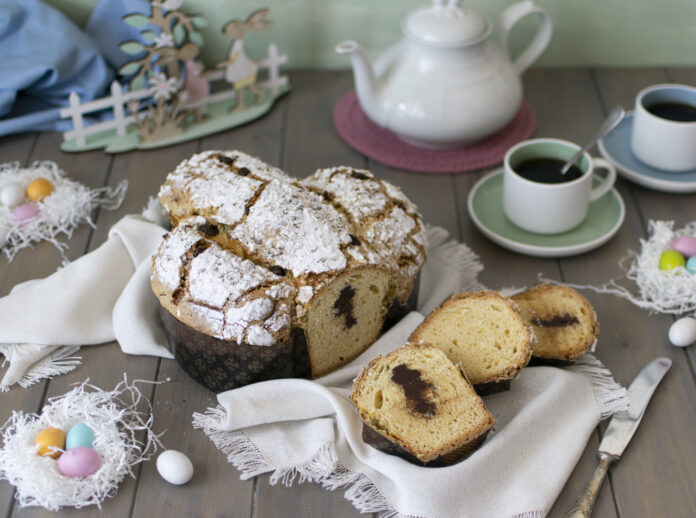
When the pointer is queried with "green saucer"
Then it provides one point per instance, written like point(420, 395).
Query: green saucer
point(485, 205)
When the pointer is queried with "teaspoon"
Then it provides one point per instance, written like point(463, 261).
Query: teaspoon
point(614, 117)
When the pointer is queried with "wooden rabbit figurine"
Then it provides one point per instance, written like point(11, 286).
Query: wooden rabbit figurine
point(240, 71)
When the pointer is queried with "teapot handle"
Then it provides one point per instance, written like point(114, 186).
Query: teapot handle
point(510, 17)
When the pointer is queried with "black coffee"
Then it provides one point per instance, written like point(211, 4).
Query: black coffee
point(547, 170)
point(679, 112)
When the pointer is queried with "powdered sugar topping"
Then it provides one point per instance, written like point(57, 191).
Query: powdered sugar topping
point(216, 276)
point(167, 263)
point(294, 228)
point(228, 193)
point(356, 190)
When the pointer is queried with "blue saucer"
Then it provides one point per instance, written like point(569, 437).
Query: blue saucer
point(616, 148)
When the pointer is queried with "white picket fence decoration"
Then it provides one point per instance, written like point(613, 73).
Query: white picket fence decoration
point(119, 99)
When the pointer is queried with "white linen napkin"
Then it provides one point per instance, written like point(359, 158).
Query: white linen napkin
point(43, 322)
point(301, 430)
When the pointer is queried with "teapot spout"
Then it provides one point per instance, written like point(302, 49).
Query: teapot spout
point(366, 83)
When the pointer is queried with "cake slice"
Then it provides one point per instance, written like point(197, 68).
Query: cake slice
point(415, 403)
point(564, 322)
point(484, 333)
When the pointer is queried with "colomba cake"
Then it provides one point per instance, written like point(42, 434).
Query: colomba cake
point(264, 275)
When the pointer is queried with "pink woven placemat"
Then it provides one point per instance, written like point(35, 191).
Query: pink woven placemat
point(382, 145)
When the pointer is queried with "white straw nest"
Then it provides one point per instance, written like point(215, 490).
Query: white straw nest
point(663, 291)
point(70, 204)
point(121, 421)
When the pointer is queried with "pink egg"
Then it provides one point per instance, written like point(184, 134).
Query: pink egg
point(80, 461)
point(685, 245)
point(25, 213)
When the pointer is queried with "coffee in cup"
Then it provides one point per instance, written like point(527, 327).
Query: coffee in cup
point(664, 127)
point(538, 198)
point(547, 170)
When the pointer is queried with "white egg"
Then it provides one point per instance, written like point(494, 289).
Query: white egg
point(174, 467)
point(683, 332)
point(12, 195)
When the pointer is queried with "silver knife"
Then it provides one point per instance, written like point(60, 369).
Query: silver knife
point(619, 432)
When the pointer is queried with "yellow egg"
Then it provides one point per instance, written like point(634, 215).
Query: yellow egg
point(50, 437)
point(671, 259)
point(39, 189)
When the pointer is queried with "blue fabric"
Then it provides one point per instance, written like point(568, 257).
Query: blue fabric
point(107, 29)
point(44, 56)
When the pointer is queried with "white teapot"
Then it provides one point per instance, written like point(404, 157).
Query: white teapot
point(447, 83)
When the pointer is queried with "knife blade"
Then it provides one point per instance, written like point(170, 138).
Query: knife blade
point(620, 431)
point(623, 425)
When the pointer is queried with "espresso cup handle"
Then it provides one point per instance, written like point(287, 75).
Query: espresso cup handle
point(607, 183)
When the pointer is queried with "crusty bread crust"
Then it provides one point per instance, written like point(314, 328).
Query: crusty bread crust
point(564, 321)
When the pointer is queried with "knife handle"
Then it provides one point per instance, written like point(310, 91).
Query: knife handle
point(586, 499)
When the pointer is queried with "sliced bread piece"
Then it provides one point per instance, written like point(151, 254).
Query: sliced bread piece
point(485, 333)
point(564, 322)
point(415, 403)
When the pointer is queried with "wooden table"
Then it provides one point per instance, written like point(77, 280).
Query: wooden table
point(655, 477)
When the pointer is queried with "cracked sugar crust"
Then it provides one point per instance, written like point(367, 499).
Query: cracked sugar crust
point(218, 292)
point(357, 191)
point(167, 263)
point(379, 211)
point(216, 184)
point(383, 218)
point(294, 228)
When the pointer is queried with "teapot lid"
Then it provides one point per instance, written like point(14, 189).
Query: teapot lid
point(446, 25)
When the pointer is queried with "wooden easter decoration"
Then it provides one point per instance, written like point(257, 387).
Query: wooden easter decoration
point(170, 99)
point(240, 71)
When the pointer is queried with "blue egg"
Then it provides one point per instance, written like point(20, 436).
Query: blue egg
point(691, 264)
point(79, 435)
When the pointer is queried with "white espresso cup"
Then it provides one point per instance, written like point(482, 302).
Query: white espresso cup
point(551, 208)
point(669, 145)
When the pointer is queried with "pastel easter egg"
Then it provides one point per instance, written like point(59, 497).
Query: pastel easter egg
point(174, 467)
point(691, 264)
point(671, 259)
point(12, 195)
point(39, 189)
point(79, 435)
point(81, 461)
point(48, 440)
point(24, 213)
point(685, 245)
point(683, 332)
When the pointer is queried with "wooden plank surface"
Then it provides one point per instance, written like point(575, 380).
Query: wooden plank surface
point(641, 473)
point(43, 259)
point(105, 364)
point(656, 475)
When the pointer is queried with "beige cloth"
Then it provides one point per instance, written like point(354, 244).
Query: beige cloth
point(44, 321)
point(309, 430)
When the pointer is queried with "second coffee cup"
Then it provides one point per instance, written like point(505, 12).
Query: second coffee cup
point(664, 127)
point(537, 198)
